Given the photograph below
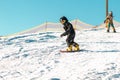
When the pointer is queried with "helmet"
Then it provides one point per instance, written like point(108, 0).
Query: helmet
point(64, 18)
point(111, 13)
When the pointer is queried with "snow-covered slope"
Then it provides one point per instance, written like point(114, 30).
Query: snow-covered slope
point(79, 25)
point(37, 57)
point(56, 27)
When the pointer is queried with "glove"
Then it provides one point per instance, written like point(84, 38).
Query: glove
point(61, 35)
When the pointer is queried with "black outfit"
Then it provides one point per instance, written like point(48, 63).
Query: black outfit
point(69, 31)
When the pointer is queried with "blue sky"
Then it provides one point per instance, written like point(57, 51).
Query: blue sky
point(19, 15)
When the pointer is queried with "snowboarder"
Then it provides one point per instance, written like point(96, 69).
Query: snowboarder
point(70, 32)
point(109, 22)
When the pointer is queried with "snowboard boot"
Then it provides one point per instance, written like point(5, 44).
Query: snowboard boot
point(69, 48)
point(76, 48)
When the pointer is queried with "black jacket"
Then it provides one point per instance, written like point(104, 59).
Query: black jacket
point(68, 29)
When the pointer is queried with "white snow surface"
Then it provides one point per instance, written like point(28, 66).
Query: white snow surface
point(38, 57)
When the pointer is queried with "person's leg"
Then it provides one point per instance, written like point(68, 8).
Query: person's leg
point(69, 44)
point(76, 45)
point(108, 28)
point(113, 27)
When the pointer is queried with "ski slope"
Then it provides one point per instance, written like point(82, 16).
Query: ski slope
point(37, 57)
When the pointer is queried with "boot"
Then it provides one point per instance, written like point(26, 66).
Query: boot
point(76, 48)
point(69, 48)
point(114, 30)
point(107, 30)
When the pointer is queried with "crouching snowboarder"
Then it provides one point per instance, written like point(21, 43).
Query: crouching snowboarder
point(70, 33)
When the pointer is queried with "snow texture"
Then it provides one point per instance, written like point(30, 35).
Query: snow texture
point(37, 57)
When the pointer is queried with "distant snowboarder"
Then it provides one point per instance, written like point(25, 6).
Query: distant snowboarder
point(70, 32)
point(109, 22)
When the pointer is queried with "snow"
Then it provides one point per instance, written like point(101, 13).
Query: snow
point(37, 57)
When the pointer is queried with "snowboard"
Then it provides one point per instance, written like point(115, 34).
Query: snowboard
point(64, 51)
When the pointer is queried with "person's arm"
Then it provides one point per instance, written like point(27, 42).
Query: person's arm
point(67, 31)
